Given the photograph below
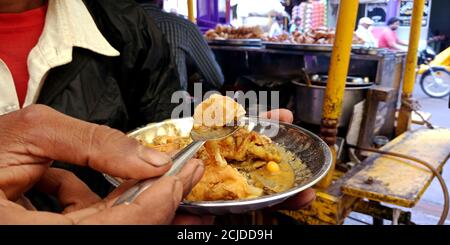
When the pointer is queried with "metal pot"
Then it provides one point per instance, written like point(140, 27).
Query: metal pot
point(309, 102)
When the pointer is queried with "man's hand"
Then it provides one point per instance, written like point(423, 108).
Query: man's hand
point(157, 205)
point(33, 137)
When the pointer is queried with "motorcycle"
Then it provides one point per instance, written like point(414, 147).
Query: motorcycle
point(435, 71)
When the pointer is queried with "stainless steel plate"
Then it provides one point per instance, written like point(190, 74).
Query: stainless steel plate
point(304, 47)
point(236, 42)
point(305, 145)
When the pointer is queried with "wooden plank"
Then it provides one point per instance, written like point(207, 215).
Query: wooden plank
point(391, 77)
point(330, 207)
point(416, 119)
point(326, 209)
point(373, 118)
point(398, 181)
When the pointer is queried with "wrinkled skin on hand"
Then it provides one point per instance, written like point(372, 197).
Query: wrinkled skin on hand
point(33, 137)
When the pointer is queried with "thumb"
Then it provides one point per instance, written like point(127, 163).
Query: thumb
point(62, 138)
point(156, 205)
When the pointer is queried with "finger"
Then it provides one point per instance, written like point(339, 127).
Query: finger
point(187, 219)
point(156, 205)
point(72, 193)
point(191, 174)
point(80, 214)
point(26, 203)
point(5, 203)
point(60, 137)
point(282, 115)
point(121, 189)
point(16, 180)
point(14, 214)
point(301, 200)
point(2, 195)
point(103, 204)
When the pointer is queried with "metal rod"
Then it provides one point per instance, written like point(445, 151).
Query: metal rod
point(191, 16)
point(337, 77)
point(404, 118)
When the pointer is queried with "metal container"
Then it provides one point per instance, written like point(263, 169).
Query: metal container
point(308, 147)
point(236, 42)
point(304, 47)
point(309, 102)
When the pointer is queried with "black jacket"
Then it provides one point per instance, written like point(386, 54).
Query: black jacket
point(122, 92)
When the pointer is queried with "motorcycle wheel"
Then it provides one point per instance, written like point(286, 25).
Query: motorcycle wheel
point(435, 82)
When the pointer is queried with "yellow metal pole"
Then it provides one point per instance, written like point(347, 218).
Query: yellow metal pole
point(191, 16)
point(337, 77)
point(404, 118)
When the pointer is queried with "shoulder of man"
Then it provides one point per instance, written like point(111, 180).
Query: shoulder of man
point(164, 17)
point(122, 22)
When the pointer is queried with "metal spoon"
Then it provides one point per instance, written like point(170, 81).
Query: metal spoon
point(199, 137)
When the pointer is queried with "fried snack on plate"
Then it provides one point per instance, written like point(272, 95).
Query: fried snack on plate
point(236, 168)
point(217, 111)
point(222, 32)
point(223, 183)
point(241, 166)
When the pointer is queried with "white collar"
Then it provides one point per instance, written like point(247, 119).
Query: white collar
point(69, 24)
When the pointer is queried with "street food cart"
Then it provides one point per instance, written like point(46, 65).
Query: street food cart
point(352, 120)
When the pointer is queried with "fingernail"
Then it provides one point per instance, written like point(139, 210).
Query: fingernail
point(177, 190)
point(177, 185)
point(309, 198)
point(153, 157)
point(198, 174)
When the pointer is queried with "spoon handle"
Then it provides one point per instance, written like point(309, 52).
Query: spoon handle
point(179, 160)
point(186, 154)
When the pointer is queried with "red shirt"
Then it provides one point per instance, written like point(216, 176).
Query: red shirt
point(387, 37)
point(19, 33)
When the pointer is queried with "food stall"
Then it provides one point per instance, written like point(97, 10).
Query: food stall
point(349, 95)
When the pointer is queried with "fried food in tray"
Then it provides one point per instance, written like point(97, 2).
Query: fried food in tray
point(245, 165)
point(321, 36)
point(223, 32)
point(241, 166)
